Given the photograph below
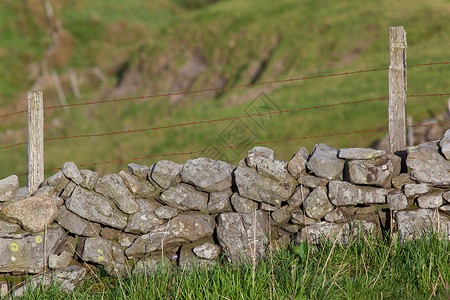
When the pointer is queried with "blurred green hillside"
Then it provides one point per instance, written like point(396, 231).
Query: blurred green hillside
point(120, 49)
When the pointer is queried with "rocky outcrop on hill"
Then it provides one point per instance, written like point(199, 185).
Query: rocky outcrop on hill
point(207, 210)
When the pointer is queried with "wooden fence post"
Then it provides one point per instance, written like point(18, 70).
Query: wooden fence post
point(397, 89)
point(35, 140)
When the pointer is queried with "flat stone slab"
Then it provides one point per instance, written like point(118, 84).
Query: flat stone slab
point(33, 213)
point(25, 252)
point(207, 174)
point(376, 171)
point(413, 223)
point(273, 168)
point(360, 153)
point(184, 228)
point(259, 188)
point(342, 193)
point(76, 224)
point(185, 197)
point(258, 154)
point(96, 208)
point(428, 165)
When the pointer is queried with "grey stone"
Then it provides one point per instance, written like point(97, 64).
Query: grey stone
point(414, 189)
point(189, 259)
point(207, 251)
point(207, 175)
point(96, 208)
point(376, 171)
point(68, 190)
point(7, 227)
point(428, 165)
point(433, 200)
point(131, 182)
point(59, 261)
point(67, 279)
point(267, 207)
point(96, 250)
point(291, 228)
point(145, 219)
point(273, 168)
point(243, 205)
point(166, 173)
point(149, 265)
point(58, 181)
point(126, 239)
point(397, 201)
point(367, 225)
point(8, 187)
point(44, 191)
point(33, 213)
point(70, 170)
point(297, 165)
point(444, 144)
point(184, 228)
point(138, 170)
point(445, 209)
point(299, 217)
point(258, 154)
point(298, 197)
point(342, 193)
point(311, 181)
point(259, 188)
point(185, 197)
point(109, 233)
point(399, 181)
point(446, 196)
point(25, 252)
point(90, 179)
point(241, 236)
point(147, 189)
point(112, 186)
point(166, 212)
point(413, 223)
point(360, 153)
point(325, 163)
point(339, 215)
point(317, 204)
point(75, 224)
point(20, 194)
point(281, 215)
point(314, 234)
point(219, 202)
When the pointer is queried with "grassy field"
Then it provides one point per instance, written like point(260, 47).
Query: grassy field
point(364, 269)
point(142, 48)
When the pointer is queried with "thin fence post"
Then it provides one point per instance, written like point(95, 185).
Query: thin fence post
point(35, 140)
point(397, 89)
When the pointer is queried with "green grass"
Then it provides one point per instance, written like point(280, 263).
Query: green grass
point(290, 38)
point(364, 269)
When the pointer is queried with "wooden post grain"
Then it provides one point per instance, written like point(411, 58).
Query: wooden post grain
point(397, 89)
point(35, 140)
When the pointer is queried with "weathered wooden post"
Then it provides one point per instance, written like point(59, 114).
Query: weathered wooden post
point(397, 89)
point(35, 140)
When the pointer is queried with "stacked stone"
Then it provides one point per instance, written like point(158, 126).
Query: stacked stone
point(189, 214)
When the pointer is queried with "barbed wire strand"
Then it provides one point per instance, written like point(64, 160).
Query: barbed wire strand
point(223, 88)
point(218, 120)
point(237, 146)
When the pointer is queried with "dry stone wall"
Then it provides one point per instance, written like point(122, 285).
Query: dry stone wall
point(193, 213)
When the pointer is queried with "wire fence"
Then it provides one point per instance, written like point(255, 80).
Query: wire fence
point(194, 123)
